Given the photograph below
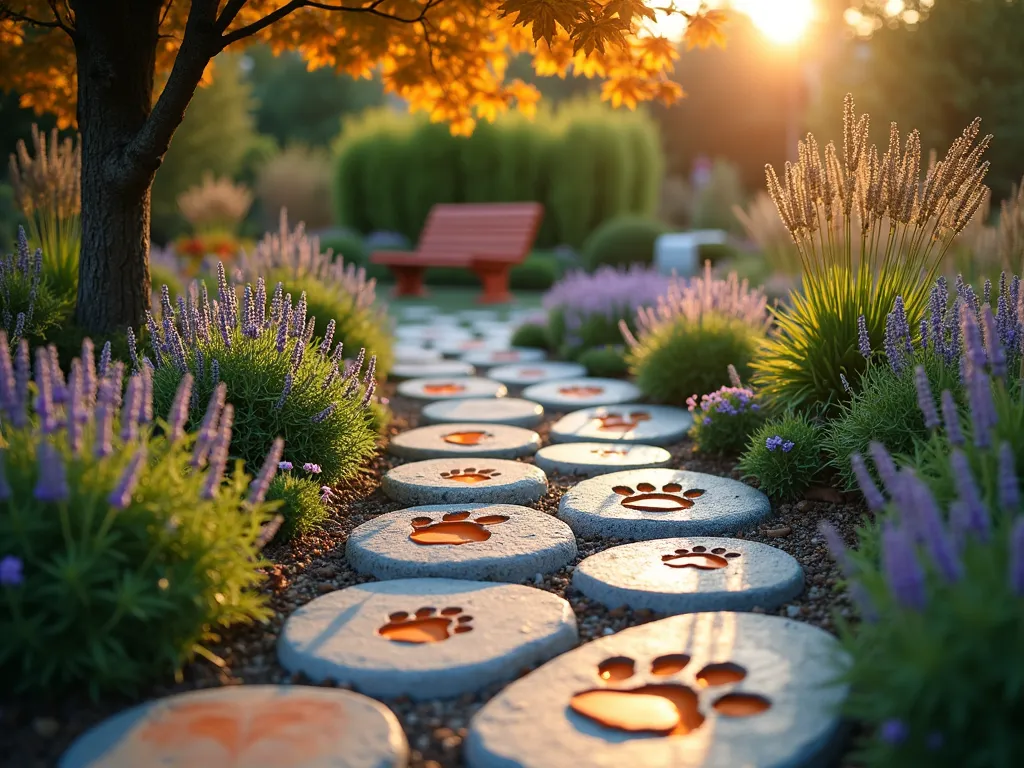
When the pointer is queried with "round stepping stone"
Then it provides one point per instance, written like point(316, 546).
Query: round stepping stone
point(484, 410)
point(417, 313)
point(466, 440)
point(599, 458)
point(494, 357)
point(431, 333)
point(432, 370)
point(525, 374)
point(707, 690)
point(487, 542)
point(455, 387)
point(465, 481)
point(691, 575)
point(572, 394)
point(414, 355)
point(462, 347)
point(256, 726)
point(478, 315)
point(648, 424)
point(425, 638)
point(647, 504)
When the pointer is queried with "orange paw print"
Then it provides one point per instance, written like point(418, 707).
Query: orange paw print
point(646, 498)
point(454, 528)
point(426, 626)
point(470, 476)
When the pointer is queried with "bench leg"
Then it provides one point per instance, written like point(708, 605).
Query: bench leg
point(494, 278)
point(408, 280)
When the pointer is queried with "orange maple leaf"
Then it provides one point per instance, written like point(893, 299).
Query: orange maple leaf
point(706, 28)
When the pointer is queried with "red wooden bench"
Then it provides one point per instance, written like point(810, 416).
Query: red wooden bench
point(487, 238)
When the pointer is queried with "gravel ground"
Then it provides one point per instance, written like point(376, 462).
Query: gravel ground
point(34, 735)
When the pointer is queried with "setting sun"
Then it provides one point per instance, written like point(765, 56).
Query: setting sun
point(781, 21)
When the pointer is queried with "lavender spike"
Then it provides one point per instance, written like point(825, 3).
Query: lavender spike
point(258, 487)
point(52, 484)
point(902, 570)
point(121, 496)
point(179, 408)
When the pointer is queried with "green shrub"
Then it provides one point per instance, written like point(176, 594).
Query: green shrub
point(301, 505)
point(939, 586)
point(784, 455)
point(537, 273)
point(724, 420)
point(531, 335)
point(623, 241)
point(856, 268)
point(349, 247)
point(121, 555)
point(712, 206)
point(608, 362)
point(716, 253)
point(29, 308)
point(281, 382)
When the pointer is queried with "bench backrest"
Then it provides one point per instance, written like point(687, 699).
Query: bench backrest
point(498, 231)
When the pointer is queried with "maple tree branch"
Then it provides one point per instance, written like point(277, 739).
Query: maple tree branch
point(60, 22)
point(8, 13)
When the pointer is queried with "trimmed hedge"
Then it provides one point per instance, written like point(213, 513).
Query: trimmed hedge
point(623, 241)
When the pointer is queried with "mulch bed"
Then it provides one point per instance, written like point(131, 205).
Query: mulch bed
point(34, 735)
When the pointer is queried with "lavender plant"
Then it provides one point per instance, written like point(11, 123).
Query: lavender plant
point(724, 420)
point(940, 591)
point(28, 307)
point(122, 553)
point(585, 309)
point(302, 502)
point(336, 291)
point(281, 381)
point(686, 341)
point(867, 230)
point(784, 455)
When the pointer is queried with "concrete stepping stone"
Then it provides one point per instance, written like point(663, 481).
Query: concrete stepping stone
point(493, 327)
point(431, 370)
point(466, 440)
point(706, 690)
point(460, 347)
point(425, 638)
point(485, 542)
point(648, 424)
point(411, 354)
point(691, 575)
point(643, 504)
point(424, 333)
point(450, 388)
point(465, 481)
point(416, 313)
point(592, 459)
point(495, 357)
point(484, 410)
point(572, 394)
point(478, 315)
point(525, 374)
point(256, 726)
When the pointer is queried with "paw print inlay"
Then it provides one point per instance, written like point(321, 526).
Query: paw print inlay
point(700, 558)
point(645, 498)
point(663, 708)
point(581, 392)
point(607, 453)
point(454, 528)
point(473, 437)
point(470, 476)
point(621, 422)
point(447, 388)
point(426, 625)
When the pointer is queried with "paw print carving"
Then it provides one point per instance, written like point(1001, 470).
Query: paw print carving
point(607, 453)
point(454, 528)
point(581, 392)
point(530, 373)
point(645, 498)
point(663, 708)
point(505, 356)
point(621, 422)
point(700, 558)
point(472, 437)
point(445, 388)
point(470, 476)
point(426, 625)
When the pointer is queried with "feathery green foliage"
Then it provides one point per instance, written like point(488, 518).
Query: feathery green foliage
point(784, 455)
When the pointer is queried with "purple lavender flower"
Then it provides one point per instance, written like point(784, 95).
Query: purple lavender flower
point(101, 370)
point(982, 407)
point(325, 413)
point(326, 494)
point(52, 484)
point(288, 381)
point(788, 446)
point(178, 414)
point(146, 412)
point(260, 483)
point(970, 518)
point(951, 419)
point(313, 469)
point(45, 408)
point(734, 377)
point(1009, 489)
point(133, 352)
point(325, 343)
point(11, 571)
point(282, 337)
point(5, 487)
point(707, 423)
point(898, 345)
point(993, 348)
point(893, 732)
point(132, 409)
point(773, 442)
point(208, 427)
point(121, 496)
point(285, 465)
point(218, 454)
point(925, 399)
point(863, 340)
point(1017, 557)
point(837, 547)
point(902, 570)
point(874, 498)
point(929, 528)
point(846, 384)
point(974, 348)
point(884, 465)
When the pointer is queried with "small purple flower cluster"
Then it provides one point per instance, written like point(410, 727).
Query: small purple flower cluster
point(310, 467)
point(11, 571)
point(691, 299)
point(777, 441)
point(191, 336)
point(25, 269)
point(729, 401)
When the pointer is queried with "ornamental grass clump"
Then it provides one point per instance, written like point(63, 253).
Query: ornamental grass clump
point(29, 307)
point(940, 591)
point(724, 419)
point(281, 380)
point(867, 230)
point(336, 292)
point(685, 343)
point(784, 455)
point(585, 309)
point(126, 544)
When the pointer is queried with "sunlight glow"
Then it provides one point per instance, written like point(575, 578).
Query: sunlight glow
point(782, 21)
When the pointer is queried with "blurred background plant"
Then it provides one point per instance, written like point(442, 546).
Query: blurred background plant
point(622, 241)
point(298, 180)
point(47, 187)
point(607, 362)
point(125, 553)
point(29, 307)
point(716, 197)
point(683, 342)
point(214, 211)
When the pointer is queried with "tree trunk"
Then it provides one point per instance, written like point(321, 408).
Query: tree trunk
point(116, 44)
